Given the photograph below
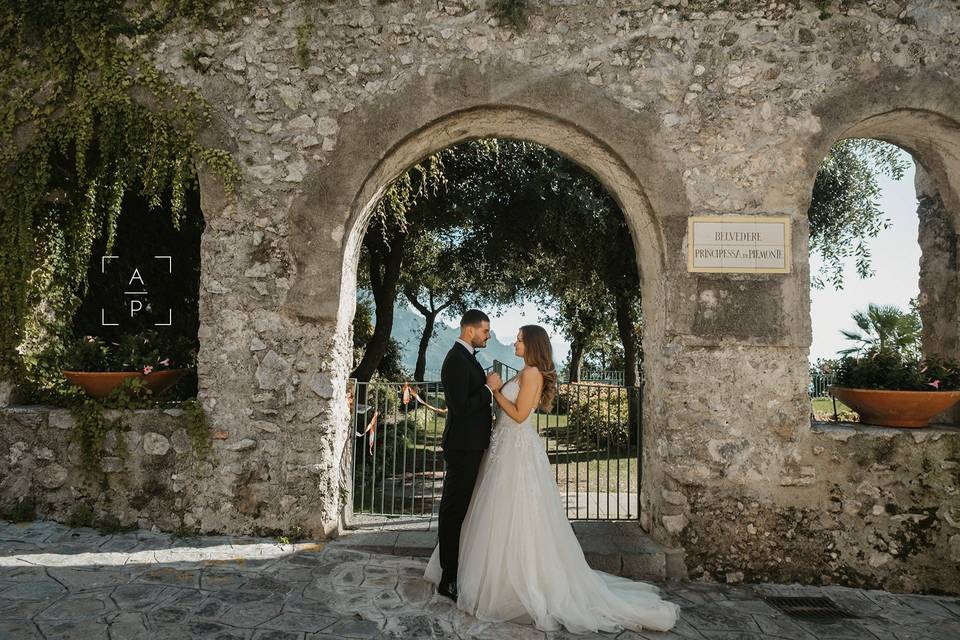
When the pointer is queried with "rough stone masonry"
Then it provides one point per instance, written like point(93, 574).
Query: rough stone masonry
point(680, 108)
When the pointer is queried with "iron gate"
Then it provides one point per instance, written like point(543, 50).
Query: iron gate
point(593, 438)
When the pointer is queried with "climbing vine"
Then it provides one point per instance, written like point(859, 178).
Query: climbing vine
point(92, 423)
point(84, 116)
point(197, 426)
point(92, 427)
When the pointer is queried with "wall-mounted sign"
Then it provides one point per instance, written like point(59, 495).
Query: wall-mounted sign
point(738, 244)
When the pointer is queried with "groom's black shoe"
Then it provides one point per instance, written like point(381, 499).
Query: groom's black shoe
point(448, 589)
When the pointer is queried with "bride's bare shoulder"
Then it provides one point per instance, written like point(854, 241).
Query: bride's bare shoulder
point(530, 373)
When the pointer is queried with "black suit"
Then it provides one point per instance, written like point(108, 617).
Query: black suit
point(466, 435)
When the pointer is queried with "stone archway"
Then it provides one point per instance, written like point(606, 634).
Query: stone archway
point(507, 121)
point(770, 471)
point(926, 124)
point(615, 144)
point(934, 142)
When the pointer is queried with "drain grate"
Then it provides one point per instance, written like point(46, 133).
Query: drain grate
point(812, 609)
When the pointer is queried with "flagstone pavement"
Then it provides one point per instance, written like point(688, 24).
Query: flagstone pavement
point(76, 583)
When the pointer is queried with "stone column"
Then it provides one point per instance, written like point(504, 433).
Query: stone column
point(733, 369)
point(938, 276)
point(265, 378)
point(938, 269)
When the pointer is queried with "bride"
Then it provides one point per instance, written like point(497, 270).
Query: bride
point(519, 558)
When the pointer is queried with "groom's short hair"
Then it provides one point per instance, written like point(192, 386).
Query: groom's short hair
point(473, 318)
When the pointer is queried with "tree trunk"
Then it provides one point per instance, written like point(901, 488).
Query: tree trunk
point(576, 359)
point(429, 314)
point(627, 328)
point(421, 367)
point(384, 284)
point(631, 379)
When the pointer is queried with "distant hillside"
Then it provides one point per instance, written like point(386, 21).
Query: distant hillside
point(408, 327)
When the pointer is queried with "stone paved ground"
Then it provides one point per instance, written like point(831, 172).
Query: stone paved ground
point(58, 582)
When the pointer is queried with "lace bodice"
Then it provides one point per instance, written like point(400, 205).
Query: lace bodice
point(509, 433)
point(511, 389)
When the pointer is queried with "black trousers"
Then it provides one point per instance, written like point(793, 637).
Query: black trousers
point(458, 482)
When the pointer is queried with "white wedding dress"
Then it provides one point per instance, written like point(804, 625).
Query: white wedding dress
point(519, 557)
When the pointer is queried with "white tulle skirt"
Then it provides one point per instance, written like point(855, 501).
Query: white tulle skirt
point(520, 559)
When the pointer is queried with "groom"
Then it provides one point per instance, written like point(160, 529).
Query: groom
point(466, 435)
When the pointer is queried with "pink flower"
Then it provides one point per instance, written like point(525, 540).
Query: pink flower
point(147, 369)
point(935, 384)
point(165, 362)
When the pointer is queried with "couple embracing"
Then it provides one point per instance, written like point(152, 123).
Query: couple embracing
point(506, 550)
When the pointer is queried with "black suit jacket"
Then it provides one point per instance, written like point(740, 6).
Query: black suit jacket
point(469, 417)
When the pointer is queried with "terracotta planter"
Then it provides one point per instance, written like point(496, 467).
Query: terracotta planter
point(895, 408)
point(99, 384)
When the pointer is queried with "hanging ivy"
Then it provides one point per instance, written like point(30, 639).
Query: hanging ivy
point(84, 115)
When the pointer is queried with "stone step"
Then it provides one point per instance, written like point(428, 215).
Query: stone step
point(618, 547)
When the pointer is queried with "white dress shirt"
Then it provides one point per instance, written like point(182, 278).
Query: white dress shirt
point(470, 349)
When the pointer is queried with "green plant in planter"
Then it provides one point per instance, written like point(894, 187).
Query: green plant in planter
point(86, 354)
point(144, 354)
point(147, 351)
point(888, 369)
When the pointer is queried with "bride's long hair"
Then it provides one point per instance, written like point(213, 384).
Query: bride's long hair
point(539, 353)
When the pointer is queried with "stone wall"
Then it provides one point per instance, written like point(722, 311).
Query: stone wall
point(151, 474)
point(864, 506)
point(876, 507)
point(679, 107)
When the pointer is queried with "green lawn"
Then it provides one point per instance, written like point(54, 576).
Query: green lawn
point(550, 421)
point(430, 426)
point(601, 474)
point(577, 467)
point(823, 410)
point(597, 475)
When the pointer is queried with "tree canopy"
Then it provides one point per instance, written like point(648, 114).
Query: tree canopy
point(844, 213)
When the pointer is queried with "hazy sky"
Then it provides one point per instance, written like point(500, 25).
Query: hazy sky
point(896, 262)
